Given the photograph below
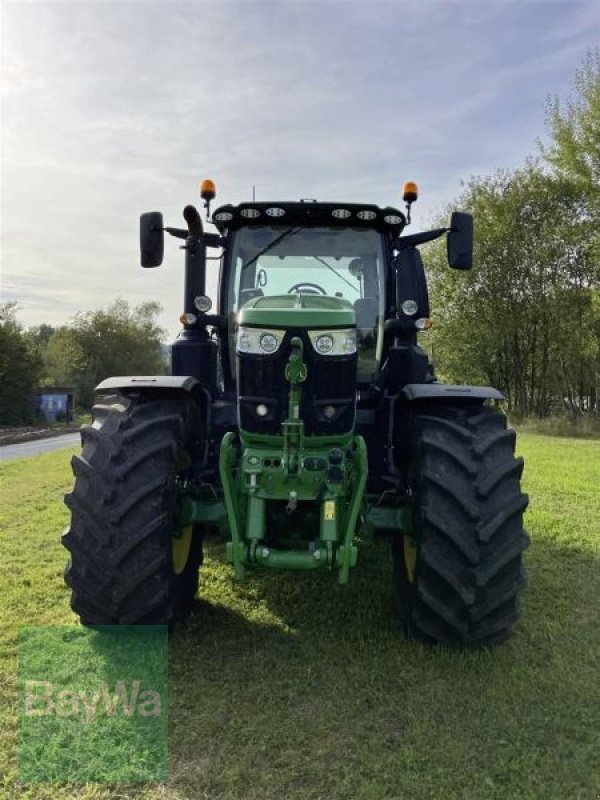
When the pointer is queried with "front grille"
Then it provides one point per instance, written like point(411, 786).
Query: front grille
point(331, 382)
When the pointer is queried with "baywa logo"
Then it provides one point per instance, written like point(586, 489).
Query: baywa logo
point(43, 699)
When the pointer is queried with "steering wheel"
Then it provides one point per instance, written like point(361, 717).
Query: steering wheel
point(313, 288)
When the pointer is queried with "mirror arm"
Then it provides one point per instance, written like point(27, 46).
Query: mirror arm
point(179, 233)
point(213, 240)
point(404, 242)
point(209, 239)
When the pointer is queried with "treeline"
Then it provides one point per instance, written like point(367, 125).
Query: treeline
point(118, 340)
point(527, 318)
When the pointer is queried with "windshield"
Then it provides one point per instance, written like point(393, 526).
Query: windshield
point(339, 262)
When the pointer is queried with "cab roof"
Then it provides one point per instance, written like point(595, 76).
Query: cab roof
point(309, 213)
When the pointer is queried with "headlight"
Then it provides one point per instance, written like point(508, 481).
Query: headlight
point(324, 344)
point(203, 303)
point(334, 343)
point(258, 342)
point(268, 342)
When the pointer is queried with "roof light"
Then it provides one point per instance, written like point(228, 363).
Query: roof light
point(410, 192)
point(250, 213)
point(340, 213)
point(392, 219)
point(275, 212)
point(223, 216)
point(366, 215)
point(208, 190)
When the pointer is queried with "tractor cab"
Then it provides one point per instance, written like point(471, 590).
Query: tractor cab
point(313, 249)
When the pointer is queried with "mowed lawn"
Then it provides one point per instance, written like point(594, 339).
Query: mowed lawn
point(292, 686)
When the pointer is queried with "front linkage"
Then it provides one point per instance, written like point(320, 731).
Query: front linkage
point(260, 478)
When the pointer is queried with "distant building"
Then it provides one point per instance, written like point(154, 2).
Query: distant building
point(55, 403)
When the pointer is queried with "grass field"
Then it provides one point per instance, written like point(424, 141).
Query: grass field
point(298, 688)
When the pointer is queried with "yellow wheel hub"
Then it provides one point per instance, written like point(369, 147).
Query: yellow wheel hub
point(180, 549)
point(410, 558)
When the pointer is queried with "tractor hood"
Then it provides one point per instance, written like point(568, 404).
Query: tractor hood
point(298, 311)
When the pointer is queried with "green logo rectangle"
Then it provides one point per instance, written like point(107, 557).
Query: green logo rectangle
point(93, 703)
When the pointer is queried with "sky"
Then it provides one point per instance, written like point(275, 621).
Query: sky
point(113, 108)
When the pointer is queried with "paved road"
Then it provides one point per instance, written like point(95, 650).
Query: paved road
point(26, 449)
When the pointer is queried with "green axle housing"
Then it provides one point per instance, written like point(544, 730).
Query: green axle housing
point(294, 498)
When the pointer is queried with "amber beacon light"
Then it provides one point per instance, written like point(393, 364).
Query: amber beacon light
point(208, 192)
point(410, 192)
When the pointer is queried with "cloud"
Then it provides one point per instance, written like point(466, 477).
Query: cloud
point(115, 108)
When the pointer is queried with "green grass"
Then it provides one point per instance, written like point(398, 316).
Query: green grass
point(296, 687)
point(584, 426)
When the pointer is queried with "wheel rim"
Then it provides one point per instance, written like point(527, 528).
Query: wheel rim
point(180, 549)
point(410, 558)
point(181, 544)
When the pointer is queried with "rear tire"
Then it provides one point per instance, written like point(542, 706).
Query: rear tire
point(123, 567)
point(459, 577)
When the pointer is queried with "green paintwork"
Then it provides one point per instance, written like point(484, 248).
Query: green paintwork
point(391, 518)
point(286, 504)
point(309, 442)
point(298, 311)
point(229, 478)
point(199, 510)
point(271, 471)
point(249, 486)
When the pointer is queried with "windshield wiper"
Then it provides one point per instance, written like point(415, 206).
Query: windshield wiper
point(271, 245)
point(356, 289)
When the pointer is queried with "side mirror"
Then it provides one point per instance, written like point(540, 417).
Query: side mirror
point(460, 241)
point(152, 239)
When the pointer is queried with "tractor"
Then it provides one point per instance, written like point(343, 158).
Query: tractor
point(300, 413)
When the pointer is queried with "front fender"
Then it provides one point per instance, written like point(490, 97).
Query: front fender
point(170, 384)
point(448, 391)
point(129, 382)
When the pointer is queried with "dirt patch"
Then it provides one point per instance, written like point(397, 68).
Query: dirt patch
point(30, 433)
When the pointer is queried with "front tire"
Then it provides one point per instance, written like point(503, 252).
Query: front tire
point(129, 563)
point(459, 575)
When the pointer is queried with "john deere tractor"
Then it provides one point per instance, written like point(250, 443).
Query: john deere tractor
point(302, 411)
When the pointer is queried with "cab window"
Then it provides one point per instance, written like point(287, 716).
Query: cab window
point(339, 262)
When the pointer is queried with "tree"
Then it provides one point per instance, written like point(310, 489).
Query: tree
point(574, 154)
point(102, 343)
point(19, 370)
point(62, 358)
point(574, 150)
point(524, 319)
